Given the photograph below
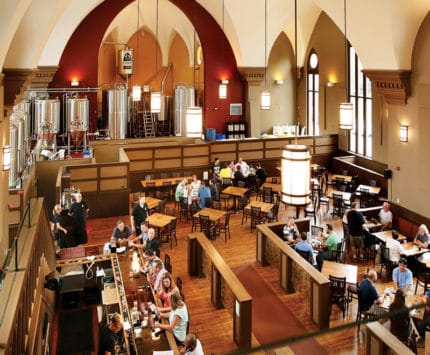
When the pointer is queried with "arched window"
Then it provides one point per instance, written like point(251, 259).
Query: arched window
point(360, 94)
point(313, 94)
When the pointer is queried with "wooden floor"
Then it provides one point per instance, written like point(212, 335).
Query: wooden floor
point(214, 327)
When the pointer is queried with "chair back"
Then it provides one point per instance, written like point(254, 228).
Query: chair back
point(226, 182)
point(168, 267)
point(179, 283)
point(241, 183)
point(208, 202)
point(166, 259)
point(307, 255)
point(337, 286)
point(385, 254)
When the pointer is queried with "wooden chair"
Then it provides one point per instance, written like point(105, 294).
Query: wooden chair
point(224, 227)
point(311, 209)
point(170, 233)
point(208, 202)
point(323, 199)
point(337, 205)
point(272, 215)
point(170, 211)
point(166, 190)
point(179, 284)
point(216, 205)
point(257, 217)
point(185, 211)
point(386, 262)
point(207, 227)
point(150, 189)
point(423, 280)
point(241, 184)
point(338, 255)
point(307, 255)
point(338, 292)
point(361, 315)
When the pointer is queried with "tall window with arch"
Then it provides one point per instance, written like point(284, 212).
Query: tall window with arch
point(313, 79)
point(360, 94)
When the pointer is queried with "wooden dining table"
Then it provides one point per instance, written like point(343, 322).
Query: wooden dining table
point(340, 270)
point(382, 236)
point(236, 192)
point(159, 182)
point(275, 187)
point(345, 178)
point(265, 207)
point(346, 196)
point(410, 249)
point(214, 215)
point(159, 221)
point(372, 189)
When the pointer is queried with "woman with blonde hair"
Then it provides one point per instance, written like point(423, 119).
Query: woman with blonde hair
point(178, 317)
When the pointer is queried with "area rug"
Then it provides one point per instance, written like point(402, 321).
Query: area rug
point(75, 332)
point(272, 320)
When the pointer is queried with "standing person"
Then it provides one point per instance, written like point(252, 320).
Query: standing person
point(214, 190)
point(178, 317)
point(422, 237)
point(59, 230)
point(216, 169)
point(138, 215)
point(244, 167)
point(195, 186)
point(191, 346)
point(385, 217)
point(261, 174)
point(402, 276)
point(110, 338)
point(357, 226)
point(396, 249)
point(79, 211)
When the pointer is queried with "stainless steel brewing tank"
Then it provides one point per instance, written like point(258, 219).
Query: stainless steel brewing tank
point(184, 98)
point(47, 111)
point(116, 104)
point(77, 112)
point(13, 142)
point(17, 119)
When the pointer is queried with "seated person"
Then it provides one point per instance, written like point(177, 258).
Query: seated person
point(166, 287)
point(191, 345)
point(152, 243)
point(399, 321)
point(328, 243)
point(422, 237)
point(178, 317)
point(385, 217)
point(203, 194)
point(260, 173)
point(111, 337)
point(422, 325)
point(303, 245)
point(121, 233)
point(238, 175)
point(291, 231)
point(150, 258)
point(395, 247)
point(402, 276)
point(244, 167)
point(225, 172)
point(158, 271)
point(369, 295)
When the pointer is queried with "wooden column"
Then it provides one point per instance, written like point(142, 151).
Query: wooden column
point(216, 288)
point(242, 323)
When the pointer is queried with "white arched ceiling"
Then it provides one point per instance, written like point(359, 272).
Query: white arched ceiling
point(170, 20)
point(35, 32)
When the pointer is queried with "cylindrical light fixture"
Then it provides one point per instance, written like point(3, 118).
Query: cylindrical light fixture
point(193, 122)
point(295, 171)
point(136, 93)
point(346, 115)
point(222, 89)
point(265, 100)
point(155, 102)
point(6, 157)
point(403, 133)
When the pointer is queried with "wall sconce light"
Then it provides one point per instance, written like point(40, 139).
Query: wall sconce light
point(222, 90)
point(193, 122)
point(74, 82)
point(330, 84)
point(136, 93)
point(403, 133)
point(6, 157)
point(279, 82)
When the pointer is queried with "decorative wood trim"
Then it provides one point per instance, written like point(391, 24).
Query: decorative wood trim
point(43, 77)
point(394, 85)
point(253, 76)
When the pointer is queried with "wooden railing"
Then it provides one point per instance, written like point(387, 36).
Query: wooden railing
point(381, 341)
point(226, 289)
point(296, 274)
point(26, 310)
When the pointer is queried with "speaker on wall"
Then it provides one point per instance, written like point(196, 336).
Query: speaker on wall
point(387, 173)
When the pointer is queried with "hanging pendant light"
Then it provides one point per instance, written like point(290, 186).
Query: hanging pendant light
point(136, 93)
point(346, 109)
point(296, 158)
point(194, 114)
point(265, 94)
point(156, 95)
point(222, 88)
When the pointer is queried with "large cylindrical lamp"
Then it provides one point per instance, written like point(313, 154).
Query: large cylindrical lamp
point(193, 119)
point(136, 93)
point(6, 157)
point(346, 115)
point(295, 166)
point(155, 102)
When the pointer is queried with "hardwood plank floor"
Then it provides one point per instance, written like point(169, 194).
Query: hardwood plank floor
point(214, 327)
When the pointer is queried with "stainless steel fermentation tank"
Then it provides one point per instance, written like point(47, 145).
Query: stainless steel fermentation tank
point(77, 120)
point(115, 109)
point(22, 121)
point(47, 121)
point(184, 98)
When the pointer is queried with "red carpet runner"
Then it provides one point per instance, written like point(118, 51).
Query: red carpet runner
point(271, 319)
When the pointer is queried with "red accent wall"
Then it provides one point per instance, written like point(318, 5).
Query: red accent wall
point(80, 59)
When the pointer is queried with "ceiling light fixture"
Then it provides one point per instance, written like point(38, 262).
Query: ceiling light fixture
point(156, 95)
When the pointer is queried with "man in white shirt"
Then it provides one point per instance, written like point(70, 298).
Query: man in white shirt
point(244, 167)
point(395, 247)
point(385, 217)
point(192, 346)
